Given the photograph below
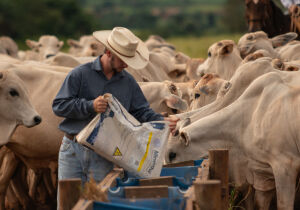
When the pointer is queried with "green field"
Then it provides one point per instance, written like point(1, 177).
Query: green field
point(196, 47)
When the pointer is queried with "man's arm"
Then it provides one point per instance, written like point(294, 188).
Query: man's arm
point(140, 108)
point(68, 104)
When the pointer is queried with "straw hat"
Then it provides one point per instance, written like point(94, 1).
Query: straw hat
point(125, 45)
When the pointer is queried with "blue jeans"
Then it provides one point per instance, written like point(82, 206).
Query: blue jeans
point(77, 161)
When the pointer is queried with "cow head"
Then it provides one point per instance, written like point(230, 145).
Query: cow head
point(223, 58)
point(179, 146)
point(46, 47)
point(251, 42)
point(172, 102)
point(259, 40)
point(86, 46)
point(206, 90)
point(15, 107)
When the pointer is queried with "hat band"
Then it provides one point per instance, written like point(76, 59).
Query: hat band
point(128, 56)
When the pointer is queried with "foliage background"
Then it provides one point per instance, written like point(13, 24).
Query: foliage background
point(175, 20)
point(72, 18)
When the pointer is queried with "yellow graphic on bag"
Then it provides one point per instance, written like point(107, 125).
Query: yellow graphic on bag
point(146, 153)
point(117, 152)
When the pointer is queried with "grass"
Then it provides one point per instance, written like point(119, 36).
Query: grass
point(196, 47)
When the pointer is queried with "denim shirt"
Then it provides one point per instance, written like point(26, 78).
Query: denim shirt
point(86, 82)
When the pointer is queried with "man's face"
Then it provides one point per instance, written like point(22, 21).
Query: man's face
point(117, 64)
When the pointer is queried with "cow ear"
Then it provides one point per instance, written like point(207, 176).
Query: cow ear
point(61, 43)
point(184, 139)
point(227, 86)
point(224, 89)
point(226, 49)
point(74, 43)
point(174, 102)
point(253, 57)
point(277, 64)
point(94, 46)
point(32, 44)
point(292, 68)
point(283, 39)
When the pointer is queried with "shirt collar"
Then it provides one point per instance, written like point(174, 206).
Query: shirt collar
point(98, 67)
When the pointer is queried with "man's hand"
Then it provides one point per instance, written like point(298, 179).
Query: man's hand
point(173, 122)
point(100, 104)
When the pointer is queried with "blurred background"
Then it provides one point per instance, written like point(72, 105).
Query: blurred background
point(191, 25)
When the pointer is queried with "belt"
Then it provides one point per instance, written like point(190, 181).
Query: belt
point(71, 137)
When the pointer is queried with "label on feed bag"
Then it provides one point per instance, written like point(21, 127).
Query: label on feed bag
point(116, 135)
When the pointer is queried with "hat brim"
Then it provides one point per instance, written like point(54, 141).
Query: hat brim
point(138, 61)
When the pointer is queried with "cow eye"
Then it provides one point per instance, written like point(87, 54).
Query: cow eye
point(40, 45)
point(249, 37)
point(57, 45)
point(197, 95)
point(13, 93)
point(209, 54)
point(174, 111)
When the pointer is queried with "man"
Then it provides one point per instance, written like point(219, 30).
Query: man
point(81, 98)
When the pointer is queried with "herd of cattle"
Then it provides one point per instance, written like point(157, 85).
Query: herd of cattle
point(243, 97)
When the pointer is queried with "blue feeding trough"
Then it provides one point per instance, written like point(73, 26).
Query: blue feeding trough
point(182, 178)
point(186, 173)
point(119, 192)
point(179, 182)
point(141, 204)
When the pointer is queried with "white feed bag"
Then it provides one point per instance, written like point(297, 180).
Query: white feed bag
point(116, 135)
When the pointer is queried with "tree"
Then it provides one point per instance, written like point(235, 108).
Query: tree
point(31, 18)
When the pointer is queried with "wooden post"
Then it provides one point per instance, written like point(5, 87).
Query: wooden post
point(83, 204)
point(218, 169)
point(69, 193)
point(208, 194)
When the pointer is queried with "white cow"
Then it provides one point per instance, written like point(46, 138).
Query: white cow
point(15, 110)
point(287, 65)
point(251, 42)
point(155, 41)
point(163, 97)
point(186, 89)
point(259, 129)
point(36, 147)
point(46, 47)
point(8, 46)
point(228, 93)
point(86, 46)
point(207, 89)
point(290, 51)
point(223, 59)
point(15, 107)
